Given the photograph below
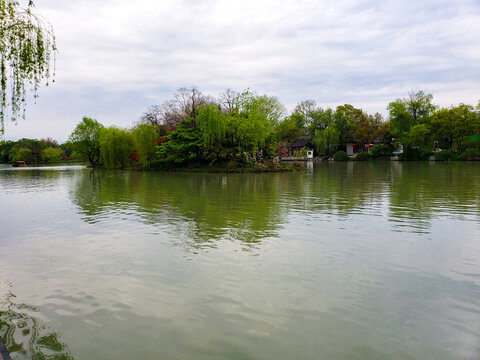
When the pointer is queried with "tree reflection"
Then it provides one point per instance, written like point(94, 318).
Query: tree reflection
point(199, 209)
point(24, 336)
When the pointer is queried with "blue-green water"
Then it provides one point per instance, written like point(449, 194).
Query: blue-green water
point(342, 261)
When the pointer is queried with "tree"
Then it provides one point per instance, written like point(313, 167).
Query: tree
point(183, 144)
point(418, 135)
point(51, 154)
point(306, 109)
point(185, 104)
point(408, 112)
point(23, 154)
point(449, 126)
point(26, 46)
point(369, 128)
point(249, 103)
point(227, 100)
point(345, 119)
point(145, 141)
point(116, 147)
point(86, 140)
point(290, 128)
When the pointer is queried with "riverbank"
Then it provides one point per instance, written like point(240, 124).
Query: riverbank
point(220, 167)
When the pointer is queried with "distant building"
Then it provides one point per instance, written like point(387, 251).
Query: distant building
point(300, 149)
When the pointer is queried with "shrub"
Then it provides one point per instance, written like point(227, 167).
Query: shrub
point(470, 155)
point(341, 156)
point(362, 156)
point(232, 165)
point(415, 154)
point(271, 164)
point(378, 150)
point(444, 155)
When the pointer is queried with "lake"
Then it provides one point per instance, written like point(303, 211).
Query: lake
point(376, 260)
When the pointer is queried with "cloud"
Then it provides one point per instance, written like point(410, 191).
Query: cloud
point(118, 57)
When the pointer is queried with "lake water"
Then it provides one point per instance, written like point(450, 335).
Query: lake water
point(341, 261)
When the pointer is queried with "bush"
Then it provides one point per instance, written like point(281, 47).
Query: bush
point(232, 165)
point(341, 156)
point(444, 155)
point(415, 154)
point(470, 155)
point(378, 150)
point(362, 156)
point(271, 164)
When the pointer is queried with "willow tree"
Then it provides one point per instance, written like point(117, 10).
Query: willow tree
point(27, 43)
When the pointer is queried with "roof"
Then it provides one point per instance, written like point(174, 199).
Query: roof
point(299, 143)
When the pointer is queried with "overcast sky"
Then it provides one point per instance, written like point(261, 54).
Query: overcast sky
point(118, 57)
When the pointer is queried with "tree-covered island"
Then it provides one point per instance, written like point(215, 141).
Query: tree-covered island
point(250, 132)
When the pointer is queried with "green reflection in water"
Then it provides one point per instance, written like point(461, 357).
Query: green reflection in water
point(203, 208)
point(24, 336)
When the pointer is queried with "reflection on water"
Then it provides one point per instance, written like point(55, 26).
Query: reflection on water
point(24, 336)
point(340, 261)
point(205, 207)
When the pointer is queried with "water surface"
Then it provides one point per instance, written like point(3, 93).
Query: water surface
point(342, 261)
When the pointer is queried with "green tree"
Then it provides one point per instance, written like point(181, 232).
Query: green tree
point(320, 120)
point(86, 140)
point(345, 119)
point(290, 128)
point(183, 144)
point(51, 155)
point(116, 147)
point(368, 128)
point(250, 103)
point(145, 136)
point(213, 127)
point(326, 141)
point(418, 135)
point(450, 126)
point(408, 112)
point(23, 154)
point(26, 46)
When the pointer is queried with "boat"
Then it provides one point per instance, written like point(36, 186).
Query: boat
point(19, 164)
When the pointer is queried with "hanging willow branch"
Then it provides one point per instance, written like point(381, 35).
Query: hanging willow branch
point(27, 43)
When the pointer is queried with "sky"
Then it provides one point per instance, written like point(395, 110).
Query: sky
point(116, 58)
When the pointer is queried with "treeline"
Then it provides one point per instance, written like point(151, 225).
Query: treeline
point(44, 151)
point(239, 129)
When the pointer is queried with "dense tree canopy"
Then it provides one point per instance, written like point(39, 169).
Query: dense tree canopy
point(246, 128)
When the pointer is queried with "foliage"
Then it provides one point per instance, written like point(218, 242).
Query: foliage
point(145, 136)
point(470, 155)
point(182, 144)
point(362, 156)
point(378, 150)
point(51, 154)
point(23, 154)
point(270, 107)
point(444, 155)
point(415, 153)
point(290, 128)
point(26, 46)
point(450, 126)
point(326, 141)
point(213, 128)
point(418, 135)
point(408, 112)
point(341, 156)
point(116, 147)
point(85, 140)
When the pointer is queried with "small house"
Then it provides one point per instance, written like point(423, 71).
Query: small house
point(299, 149)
